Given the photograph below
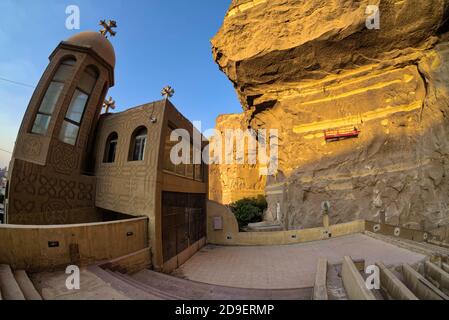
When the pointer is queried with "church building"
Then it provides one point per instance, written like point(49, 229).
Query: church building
point(73, 165)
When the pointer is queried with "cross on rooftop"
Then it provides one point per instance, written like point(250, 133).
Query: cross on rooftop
point(108, 104)
point(108, 28)
point(167, 92)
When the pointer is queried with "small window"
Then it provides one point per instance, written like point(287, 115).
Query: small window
point(51, 97)
point(138, 143)
point(111, 148)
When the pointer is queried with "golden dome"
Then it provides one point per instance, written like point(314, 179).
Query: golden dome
point(96, 42)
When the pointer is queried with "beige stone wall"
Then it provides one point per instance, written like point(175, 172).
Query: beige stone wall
point(390, 83)
point(230, 234)
point(27, 247)
point(129, 186)
point(135, 187)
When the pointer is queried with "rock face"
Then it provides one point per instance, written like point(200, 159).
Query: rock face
point(232, 182)
point(304, 67)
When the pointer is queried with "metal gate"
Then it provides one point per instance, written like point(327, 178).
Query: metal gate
point(183, 221)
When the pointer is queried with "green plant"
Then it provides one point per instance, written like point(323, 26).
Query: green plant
point(249, 210)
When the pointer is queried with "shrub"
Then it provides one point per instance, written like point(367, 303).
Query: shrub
point(249, 210)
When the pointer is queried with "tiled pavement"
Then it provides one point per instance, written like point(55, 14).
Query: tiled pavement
point(285, 267)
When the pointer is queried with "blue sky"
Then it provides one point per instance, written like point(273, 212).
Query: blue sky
point(159, 42)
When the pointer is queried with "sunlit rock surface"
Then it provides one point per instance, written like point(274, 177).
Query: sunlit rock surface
point(304, 67)
point(232, 182)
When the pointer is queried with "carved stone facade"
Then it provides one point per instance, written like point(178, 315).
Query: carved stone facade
point(48, 179)
point(232, 182)
point(137, 187)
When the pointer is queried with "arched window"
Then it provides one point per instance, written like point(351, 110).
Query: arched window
point(138, 142)
point(74, 115)
point(51, 97)
point(110, 148)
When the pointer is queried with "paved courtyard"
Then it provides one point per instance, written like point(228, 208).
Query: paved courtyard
point(285, 267)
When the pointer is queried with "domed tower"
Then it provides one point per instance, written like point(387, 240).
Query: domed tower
point(49, 180)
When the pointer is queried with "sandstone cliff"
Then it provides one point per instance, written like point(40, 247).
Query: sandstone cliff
point(232, 182)
point(303, 67)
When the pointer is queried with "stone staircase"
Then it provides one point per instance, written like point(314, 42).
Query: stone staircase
point(16, 285)
point(150, 285)
point(346, 281)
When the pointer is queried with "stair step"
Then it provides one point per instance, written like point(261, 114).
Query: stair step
point(26, 286)
point(125, 288)
point(437, 276)
point(354, 283)
point(8, 284)
point(193, 290)
point(420, 286)
point(144, 287)
point(392, 286)
point(320, 288)
point(334, 283)
point(169, 284)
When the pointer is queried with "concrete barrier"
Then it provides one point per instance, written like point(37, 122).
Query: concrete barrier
point(439, 243)
point(353, 282)
point(437, 276)
point(229, 233)
point(320, 287)
point(396, 231)
point(420, 286)
point(39, 248)
point(392, 286)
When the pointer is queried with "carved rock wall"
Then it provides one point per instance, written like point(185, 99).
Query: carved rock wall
point(231, 182)
point(303, 67)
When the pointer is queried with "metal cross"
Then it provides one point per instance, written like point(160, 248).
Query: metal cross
point(109, 104)
point(167, 92)
point(108, 28)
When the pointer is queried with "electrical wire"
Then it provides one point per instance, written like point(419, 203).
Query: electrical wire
point(18, 83)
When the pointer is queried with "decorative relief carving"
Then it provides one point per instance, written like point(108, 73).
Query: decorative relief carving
point(48, 186)
point(26, 183)
point(34, 184)
point(63, 158)
point(67, 189)
point(85, 191)
point(23, 206)
point(31, 146)
point(55, 205)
